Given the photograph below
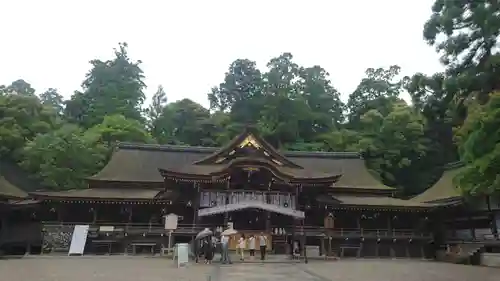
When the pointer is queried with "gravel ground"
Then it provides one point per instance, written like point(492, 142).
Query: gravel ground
point(153, 269)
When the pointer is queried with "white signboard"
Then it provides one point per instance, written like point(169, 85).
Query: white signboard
point(106, 228)
point(182, 250)
point(78, 240)
point(171, 221)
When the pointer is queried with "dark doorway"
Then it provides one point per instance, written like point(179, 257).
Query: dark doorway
point(248, 219)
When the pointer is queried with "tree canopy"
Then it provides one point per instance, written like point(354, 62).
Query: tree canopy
point(453, 115)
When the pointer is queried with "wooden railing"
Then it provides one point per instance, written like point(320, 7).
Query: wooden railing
point(359, 232)
point(131, 228)
point(145, 228)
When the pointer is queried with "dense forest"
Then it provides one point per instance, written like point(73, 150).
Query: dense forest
point(454, 115)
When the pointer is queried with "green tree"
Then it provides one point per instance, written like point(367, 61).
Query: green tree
point(283, 105)
point(62, 159)
point(117, 128)
point(465, 33)
point(432, 97)
point(20, 87)
point(479, 140)
point(241, 92)
point(341, 140)
point(53, 99)
point(154, 112)
point(379, 90)
point(22, 118)
point(393, 143)
point(322, 98)
point(186, 122)
point(111, 87)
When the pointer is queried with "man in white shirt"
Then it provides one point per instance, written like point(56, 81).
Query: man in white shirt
point(225, 249)
point(263, 245)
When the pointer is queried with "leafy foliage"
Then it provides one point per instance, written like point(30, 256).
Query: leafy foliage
point(111, 87)
point(479, 141)
point(22, 117)
point(63, 158)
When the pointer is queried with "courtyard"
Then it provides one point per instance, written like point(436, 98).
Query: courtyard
point(153, 269)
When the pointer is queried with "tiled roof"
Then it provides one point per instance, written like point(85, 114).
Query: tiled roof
point(379, 201)
point(7, 189)
point(140, 163)
point(371, 201)
point(100, 193)
point(443, 190)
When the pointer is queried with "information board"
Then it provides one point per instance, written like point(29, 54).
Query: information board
point(78, 240)
point(171, 221)
point(182, 250)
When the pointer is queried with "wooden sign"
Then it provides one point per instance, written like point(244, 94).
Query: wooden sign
point(171, 221)
point(329, 222)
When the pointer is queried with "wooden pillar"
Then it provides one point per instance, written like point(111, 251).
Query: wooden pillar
point(226, 201)
point(267, 215)
point(303, 241)
point(471, 228)
point(294, 226)
point(94, 214)
point(196, 202)
point(389, 222)
point(322, 251)
point(60, 212)
point(304, 237)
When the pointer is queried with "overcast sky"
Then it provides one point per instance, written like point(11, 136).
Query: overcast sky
point(187, 46)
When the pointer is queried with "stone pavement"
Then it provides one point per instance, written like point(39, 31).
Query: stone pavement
point(120, 268)
point(93, 268)
point(400, 270)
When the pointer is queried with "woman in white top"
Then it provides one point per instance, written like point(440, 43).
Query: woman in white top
point(242, 245)
point(251, 246)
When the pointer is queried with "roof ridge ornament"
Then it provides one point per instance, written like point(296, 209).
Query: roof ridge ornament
point(248, 144)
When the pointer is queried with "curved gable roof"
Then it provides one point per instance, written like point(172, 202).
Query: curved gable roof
point(444, 189)
point(140, 163)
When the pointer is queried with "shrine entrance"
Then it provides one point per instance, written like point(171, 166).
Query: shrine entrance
point(254, 215)
point(248, 219)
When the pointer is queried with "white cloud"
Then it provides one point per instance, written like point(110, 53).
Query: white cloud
point(188, 45)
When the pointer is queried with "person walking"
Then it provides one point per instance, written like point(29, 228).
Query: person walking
point(263, 246)
point(251, 246)
point(208, 250)
point(225, 249)
point(241, 246)
point(296, 250)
